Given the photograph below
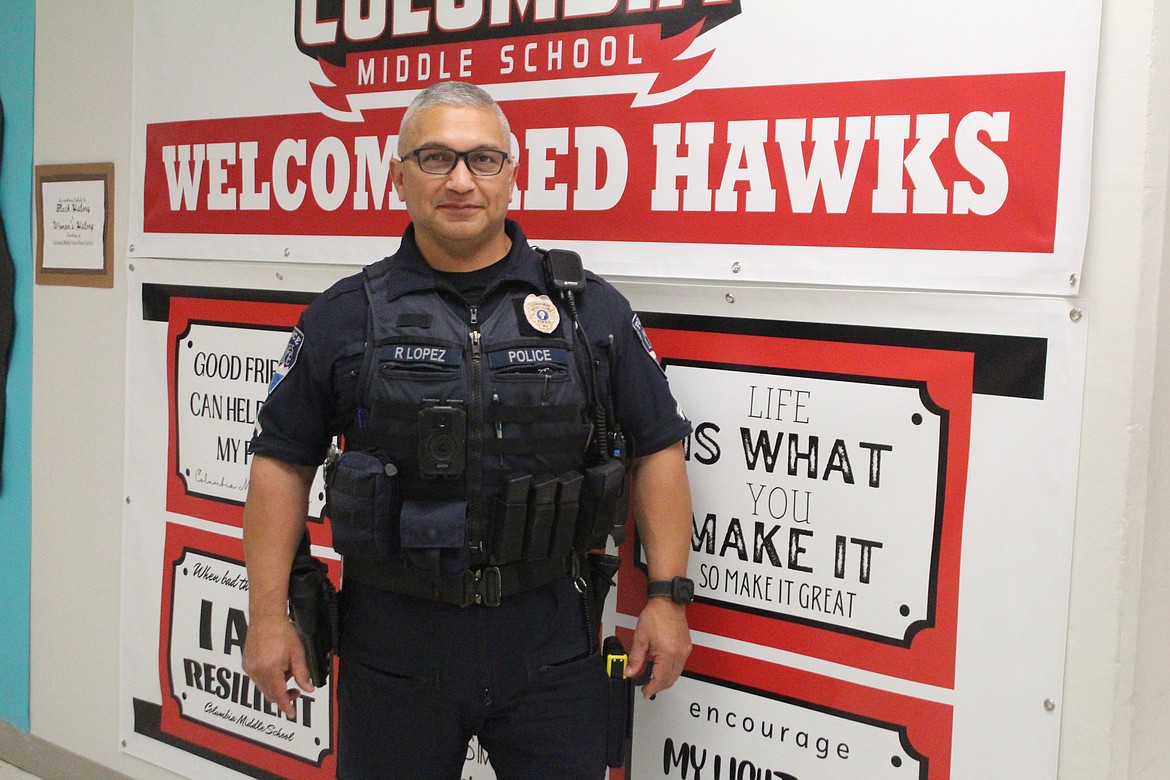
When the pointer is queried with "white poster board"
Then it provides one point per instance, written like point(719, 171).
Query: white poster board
point(894, 609)
point(790, 162)
point(904, 145)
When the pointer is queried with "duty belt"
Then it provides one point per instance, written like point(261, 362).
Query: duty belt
point(486, 586)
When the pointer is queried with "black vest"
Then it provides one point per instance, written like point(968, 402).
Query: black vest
point(461, 399)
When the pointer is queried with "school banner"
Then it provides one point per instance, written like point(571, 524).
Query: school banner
point(883, 492)
point(889, 144)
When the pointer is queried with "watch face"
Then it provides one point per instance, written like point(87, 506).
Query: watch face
point(684, 590)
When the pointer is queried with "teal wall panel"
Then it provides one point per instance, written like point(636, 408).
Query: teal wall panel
point(16, 91)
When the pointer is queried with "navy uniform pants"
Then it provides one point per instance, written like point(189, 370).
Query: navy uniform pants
point(418, 679)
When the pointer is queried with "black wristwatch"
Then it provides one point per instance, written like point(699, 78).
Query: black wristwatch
point(680, 590)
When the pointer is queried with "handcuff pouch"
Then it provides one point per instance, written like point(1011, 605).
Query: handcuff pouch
point(433, 535)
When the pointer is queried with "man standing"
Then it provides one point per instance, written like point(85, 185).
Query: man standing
point(485, 416)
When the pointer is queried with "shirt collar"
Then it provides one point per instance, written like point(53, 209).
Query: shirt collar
point(408, 271)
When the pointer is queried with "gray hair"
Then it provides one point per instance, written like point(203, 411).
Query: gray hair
point(452, 93)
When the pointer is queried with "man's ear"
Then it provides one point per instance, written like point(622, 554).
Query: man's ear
point(396, 170)
point(512, 185)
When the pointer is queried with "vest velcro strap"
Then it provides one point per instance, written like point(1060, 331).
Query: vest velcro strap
point(486, 586)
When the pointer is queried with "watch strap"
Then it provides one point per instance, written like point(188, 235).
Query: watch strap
point(660, 588)
point(680, 590)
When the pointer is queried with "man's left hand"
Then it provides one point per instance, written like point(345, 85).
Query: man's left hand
point(662, 636)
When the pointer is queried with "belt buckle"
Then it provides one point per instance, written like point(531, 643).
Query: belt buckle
point(489, 587)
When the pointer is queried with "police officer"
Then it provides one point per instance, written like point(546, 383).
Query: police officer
point(493, 391)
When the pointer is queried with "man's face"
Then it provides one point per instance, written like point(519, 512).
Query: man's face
point(459, 210)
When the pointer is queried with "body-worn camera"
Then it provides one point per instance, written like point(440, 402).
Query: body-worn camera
point(442, 439)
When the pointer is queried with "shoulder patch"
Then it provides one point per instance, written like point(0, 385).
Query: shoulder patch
point(289, 359)
point(644, 338)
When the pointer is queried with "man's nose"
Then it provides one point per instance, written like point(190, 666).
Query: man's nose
point(460, 177)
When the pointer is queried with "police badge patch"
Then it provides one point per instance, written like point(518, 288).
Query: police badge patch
point(541, 313)
point(637, 323)
point(291, 352)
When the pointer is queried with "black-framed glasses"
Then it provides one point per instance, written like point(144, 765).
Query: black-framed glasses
point(441, 161)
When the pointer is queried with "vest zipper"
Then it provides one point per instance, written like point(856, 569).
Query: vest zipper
point(475, 466)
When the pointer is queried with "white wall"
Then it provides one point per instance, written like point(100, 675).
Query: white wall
point(1115, 709)
point(1149, 617)
point(1112, 676)
point(82, 113)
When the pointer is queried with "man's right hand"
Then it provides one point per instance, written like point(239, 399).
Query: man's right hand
point(272, 654)
point(274, 524)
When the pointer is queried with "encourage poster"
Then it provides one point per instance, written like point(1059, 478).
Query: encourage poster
point(751, 719)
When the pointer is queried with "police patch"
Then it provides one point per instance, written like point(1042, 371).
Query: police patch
point(527, 357)
point(637, 323)
point(289, 359)
point(408, 355)
point(541, 313)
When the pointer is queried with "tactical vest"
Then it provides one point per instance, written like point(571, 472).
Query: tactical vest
point(482, 415)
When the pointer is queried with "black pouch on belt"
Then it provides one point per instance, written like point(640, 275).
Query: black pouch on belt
point(362, 501)
point(568, 504)
point(619, 723)
point(601, 568)
point(603, 504)
point(511, 515)
point(433, 535)
point(312, 607)
point(542, 509)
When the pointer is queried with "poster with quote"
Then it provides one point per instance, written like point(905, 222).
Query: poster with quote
point(731, 717)
point(829, 481)
point(208, 702)
point(224, 353)
point(904, 144)
point(881, 555)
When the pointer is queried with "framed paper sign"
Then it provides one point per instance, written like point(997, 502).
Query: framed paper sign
point(74, 224)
